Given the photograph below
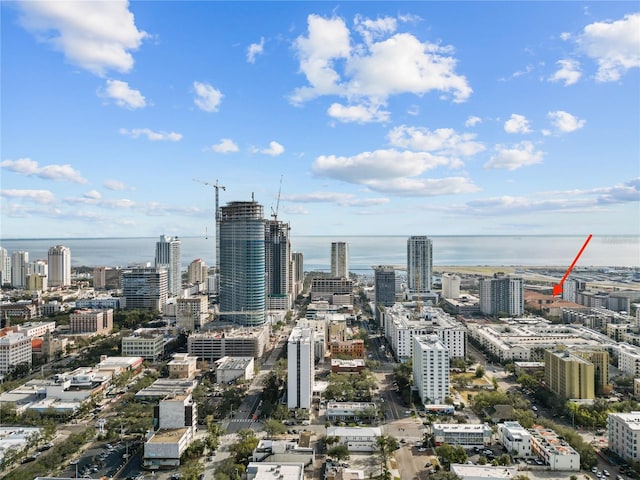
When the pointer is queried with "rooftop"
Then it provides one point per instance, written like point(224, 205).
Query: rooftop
point(171, 435)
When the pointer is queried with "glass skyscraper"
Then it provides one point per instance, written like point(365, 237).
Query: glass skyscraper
point(242, 263)
point(419, 263)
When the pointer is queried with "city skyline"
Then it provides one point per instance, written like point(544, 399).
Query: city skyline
point(401, 116)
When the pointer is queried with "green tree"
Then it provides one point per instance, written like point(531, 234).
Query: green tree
point(449, 454)
point(385, 445)
point(480, 371)
point(274, 427)
point(339, 452)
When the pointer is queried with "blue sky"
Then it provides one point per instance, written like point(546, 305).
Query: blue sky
point(380, 117)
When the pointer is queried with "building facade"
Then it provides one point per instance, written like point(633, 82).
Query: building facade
point(624, 434)
point(450, 285)
point(5, 267)
point(192, 312)
point(214, 345)
point(419, 263)
point(278, 265)
point(197, 272)
point(340, 259)
point(569, 376)
point(430, 369)
point(553, 450)
point(336, 291)
point(384, 285)
point(467, 434)
point(168, 256)
point(502, 295)
point(515, 438)
point(148, 346)
point(59, 260)
point(300, 368)
point(242, 264)
point(106, 278)
point(15, 348)
point(144, 287)
point(95, 322)
point(19, 269)
point(298, 273)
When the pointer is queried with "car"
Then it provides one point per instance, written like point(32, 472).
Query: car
point(594, 470)
point(605, 473)
point(619, 477)
point(422, 449)
point(487, 452)
point(28, 459)
point(599, 475)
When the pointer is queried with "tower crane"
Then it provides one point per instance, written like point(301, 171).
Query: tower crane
point(274, 213)
point(217, 187)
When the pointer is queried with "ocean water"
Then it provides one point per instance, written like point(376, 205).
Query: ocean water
point(364, 251)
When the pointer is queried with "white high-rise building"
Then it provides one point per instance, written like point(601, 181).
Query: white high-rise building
point(301, 366)
point(168, 256)
point(19, 269)
point(340, 259)
point(419, 263)
point(15, 348)
point(430, 369)
point(59, 266)
point(197, 272)
point(5, 267)
point(624, 434)
point(570, 289)
point(450, 285)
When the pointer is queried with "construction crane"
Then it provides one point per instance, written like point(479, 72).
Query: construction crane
point(274, 213)
point(217, 187)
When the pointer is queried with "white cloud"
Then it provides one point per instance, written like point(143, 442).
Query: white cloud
point(341, 199)
point(93, 195)
point(358, 113)
point(444, 141)
point(565, 122)
point(254, 50)
point(569, 72)
point(38, 196)
point(123, 95)
point(151, 135)
point(517, 124)
point(28, 167)
point(424, 187)
point(520, 155)
point(373, 29)
point(295, 210)
point(207, 98)
point(274, 149)
point(565, 36)
point(377, 165)
point(370, 72)
point(115, 185)
point(96, 36)
point(615, 46)
point(226, 145)
point(472, 121)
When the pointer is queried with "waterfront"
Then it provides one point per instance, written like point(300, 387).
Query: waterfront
point(364, 251)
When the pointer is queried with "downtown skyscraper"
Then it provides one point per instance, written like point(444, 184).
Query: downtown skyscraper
point(340, 259)
point(419, 263)
point(278, 265)
point(242, 263)
point(59, 261)
point(168, 256)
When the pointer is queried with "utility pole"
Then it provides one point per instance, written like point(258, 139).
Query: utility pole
point(217, 187)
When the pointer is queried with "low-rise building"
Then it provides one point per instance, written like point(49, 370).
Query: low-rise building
point(353, 365)
point(482, 472)
point(163, 387)
point(283, 451)
point(553, 450)
point(351, 411)
point(515, 439)
point(231, 341)
point(15, 348)
point(91, 321)
point(36, 329)
point(183, 365)
point(233, 368)
point(148, 346)
point(356, 439)
point(275, 471)
point(465, 434)
point(347, 348)
point(624, 434)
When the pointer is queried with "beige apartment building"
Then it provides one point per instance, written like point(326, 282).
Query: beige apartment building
point(91, 321)
point(569, 376)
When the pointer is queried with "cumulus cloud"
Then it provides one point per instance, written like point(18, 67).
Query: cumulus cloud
point(517, 156)
point(517, 124)
point(207, 97)
point(115, 185)
point(226, 145)
point(254, 50)
point(377, 165)
point(569, 72)
point(565, 122)
point(28, 167)
point(444, 141)
point(123, 95)
point(472, 121)
point(93, 195)
point(274, 149)
point(424, 187)
point(38, 196)
point(358, 113)
point(386, 63)
point(96, 36)
point(340, 199)
point(151, 135)
point(614, 45)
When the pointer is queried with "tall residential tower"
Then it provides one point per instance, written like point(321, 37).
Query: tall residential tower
point(278, 264)
point(168, 256)
point(300, 368)
point(59, 266)
point(339, 260)
point(419, 264)
point(242, 263)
